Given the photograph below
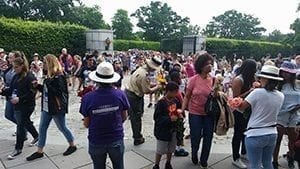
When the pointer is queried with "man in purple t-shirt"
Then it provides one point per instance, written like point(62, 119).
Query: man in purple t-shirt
point(104, 111)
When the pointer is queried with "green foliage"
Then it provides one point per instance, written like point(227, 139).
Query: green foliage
point(54, 11)
point(296, 39)
point(122, 45)
point(234, 25)
point(276, 36)
point(159, 21)
point(121, 25)
point(41, 37)
point(90, 17)
point(227, 47)
point(247, 48)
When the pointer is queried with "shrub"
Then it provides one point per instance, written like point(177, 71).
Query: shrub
point(247, 48)
point(41, 37)
point(131, 44)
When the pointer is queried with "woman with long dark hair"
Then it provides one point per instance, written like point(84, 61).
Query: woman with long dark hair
point(241, 87)
point(22, 97)
point(261, 130)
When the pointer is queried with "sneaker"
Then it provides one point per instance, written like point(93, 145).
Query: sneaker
point(33, 142)
point(204, 166)
point(239, 163)
point(139, 141)
point(70, 150)
point(181, 153)
point(195, 159)
point(34, 156)
point(275, 165)
point(14, 154)
point(168, 166)
point(149, 105)
point(244, 157)
point(155, 166)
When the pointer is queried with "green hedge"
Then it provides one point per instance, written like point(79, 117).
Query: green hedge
point(227, 47)
point(247, 48)
point(121, 45)
point(41, 37)
point(47, 37)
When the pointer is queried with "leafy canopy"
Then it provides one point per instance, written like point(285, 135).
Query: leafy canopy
point(159, 21)
point(121, 25)
point(234, 25)
point(54, 11)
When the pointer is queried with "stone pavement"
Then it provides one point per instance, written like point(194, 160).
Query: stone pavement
point(136, 157)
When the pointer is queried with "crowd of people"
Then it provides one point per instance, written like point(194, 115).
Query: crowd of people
point(260, 100)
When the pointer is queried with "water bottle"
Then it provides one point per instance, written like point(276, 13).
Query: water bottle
point(14, 94)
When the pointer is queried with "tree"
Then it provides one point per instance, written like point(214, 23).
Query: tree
point(121, 25)
point(159, 21)
point(51, 10)
point(296, 40)
point(233, 24)
point(276, 36)
point(15, 8)
point(54, 10)
point(90, 17)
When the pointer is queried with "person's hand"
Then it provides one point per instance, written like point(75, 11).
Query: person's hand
point(158, 86)
point(14, 100)
point(174, 118)
point(256, 85)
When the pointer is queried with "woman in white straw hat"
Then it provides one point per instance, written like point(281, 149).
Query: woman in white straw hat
point(261, 131)
point(139, 84)
point(104, 111)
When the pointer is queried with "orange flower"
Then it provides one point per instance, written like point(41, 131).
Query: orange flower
point(235, 102)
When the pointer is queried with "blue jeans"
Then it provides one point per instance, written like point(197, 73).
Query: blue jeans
point(260, 150)
point(201, 126)
point(115, 151)
point(60, 122)
point(9, 112)
point(24, 124)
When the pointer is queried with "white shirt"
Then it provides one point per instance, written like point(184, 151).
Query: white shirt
point(265, 107)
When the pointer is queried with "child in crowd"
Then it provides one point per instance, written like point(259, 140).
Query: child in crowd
point(176, 77)
point(166, 115)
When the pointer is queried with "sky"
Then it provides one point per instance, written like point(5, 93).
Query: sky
point(273, 14)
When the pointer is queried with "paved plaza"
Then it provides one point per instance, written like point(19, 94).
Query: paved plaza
point(136, 157)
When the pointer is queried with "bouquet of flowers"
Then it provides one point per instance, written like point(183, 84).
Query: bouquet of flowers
point(234, 102)
point(161, 79)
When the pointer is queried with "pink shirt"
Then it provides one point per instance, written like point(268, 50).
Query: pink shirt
point(200, 90)
point(189, 68)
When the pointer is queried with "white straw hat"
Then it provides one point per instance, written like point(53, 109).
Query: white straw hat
point(104, 73)
point(269, 72)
